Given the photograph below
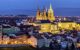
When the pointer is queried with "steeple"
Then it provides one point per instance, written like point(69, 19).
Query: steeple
point(51, 14)
point(38, 15)
point(44, 14)
point(50, 7)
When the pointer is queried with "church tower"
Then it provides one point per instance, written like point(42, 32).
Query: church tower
point(51, 14)
point(38, 15)
point(44, 15)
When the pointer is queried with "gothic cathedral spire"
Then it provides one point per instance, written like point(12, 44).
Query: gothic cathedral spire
point(51, 14)
point(38, 15)
point(44, 14)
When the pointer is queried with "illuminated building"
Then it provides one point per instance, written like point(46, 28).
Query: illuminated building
point(32, 41)
point(38, 16)
point(51, 14)
point(66, 25)
point(47, 18)
point(6, 39)
point(44, 15)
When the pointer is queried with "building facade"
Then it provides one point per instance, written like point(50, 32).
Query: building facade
point(45, 15)
point(53, 26)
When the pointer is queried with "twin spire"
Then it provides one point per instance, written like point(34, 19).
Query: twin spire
point(45, 15)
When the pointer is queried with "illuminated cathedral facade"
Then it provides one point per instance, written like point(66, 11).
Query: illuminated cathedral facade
point(45, 15)
point(48, 15)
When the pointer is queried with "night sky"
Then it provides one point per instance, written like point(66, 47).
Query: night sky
point(61, 7)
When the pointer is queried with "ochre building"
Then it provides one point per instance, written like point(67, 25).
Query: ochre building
point(49, 23)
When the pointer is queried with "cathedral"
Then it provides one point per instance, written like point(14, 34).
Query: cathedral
point(47, 22)
point(45, 15)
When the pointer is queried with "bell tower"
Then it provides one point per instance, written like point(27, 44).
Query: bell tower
point(38, 17)
point(44, 14)
point(51, 14)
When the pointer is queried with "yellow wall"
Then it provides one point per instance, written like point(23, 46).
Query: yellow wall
point(48, 27)
point(78, 26)
point(45, 27)
point(67, 25)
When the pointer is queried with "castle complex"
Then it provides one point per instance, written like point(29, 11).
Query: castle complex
point(50, 26)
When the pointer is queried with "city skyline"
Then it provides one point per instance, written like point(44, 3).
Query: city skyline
point(29, 7)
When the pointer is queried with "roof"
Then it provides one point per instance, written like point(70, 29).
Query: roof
point(78, 22)
point(67, 21)
point(45, 21)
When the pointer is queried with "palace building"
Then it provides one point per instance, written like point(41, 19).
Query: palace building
point(47, 22)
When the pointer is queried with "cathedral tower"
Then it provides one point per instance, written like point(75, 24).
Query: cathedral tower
point(44, 15)
point(38, 15)
point(51, 14)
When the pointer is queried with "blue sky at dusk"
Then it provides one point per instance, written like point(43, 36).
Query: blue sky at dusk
point(7, 6)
